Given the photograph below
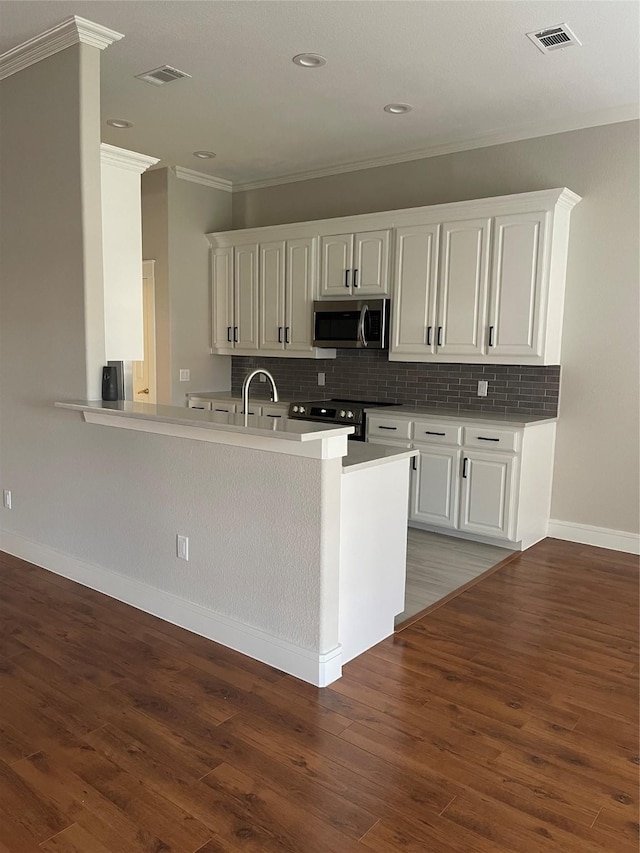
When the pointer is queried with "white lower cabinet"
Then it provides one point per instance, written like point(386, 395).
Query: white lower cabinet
point(487, 483)
point(488, 493)
point(435, 485)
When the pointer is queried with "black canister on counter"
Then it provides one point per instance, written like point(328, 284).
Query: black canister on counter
point(109, 383)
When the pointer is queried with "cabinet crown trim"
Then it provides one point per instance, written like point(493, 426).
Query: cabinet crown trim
point(122, 158)
point(451, 211)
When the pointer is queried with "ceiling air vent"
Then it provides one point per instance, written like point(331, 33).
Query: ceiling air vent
point(554, 38)
point(162, 75)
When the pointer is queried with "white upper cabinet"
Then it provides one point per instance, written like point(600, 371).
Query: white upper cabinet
point(234, 299)
point(471, 282)
point(499, 291)
point(462, 288)
point(353, 264)
point(287, 270)
point(518, 264)
point(415, 271)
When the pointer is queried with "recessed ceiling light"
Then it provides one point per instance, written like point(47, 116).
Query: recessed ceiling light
point(120, 123)
point(204, 155)
point(309, 60)
point(398, 109)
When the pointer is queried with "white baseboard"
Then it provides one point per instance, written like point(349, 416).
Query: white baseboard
point(317, 669)
point(602, 537)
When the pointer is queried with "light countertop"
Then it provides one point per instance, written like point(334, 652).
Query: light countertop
point(279, 428)
point(497, 419)
point(362, 455)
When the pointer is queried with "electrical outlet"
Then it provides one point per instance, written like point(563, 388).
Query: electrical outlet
point(182, 547)
point(321, 378)
point(185, 375)
point(6, 499)
point(483, 387)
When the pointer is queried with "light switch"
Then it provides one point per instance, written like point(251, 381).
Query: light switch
point(185, 375)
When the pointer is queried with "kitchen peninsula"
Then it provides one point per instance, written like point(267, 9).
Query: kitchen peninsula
point(301, 561)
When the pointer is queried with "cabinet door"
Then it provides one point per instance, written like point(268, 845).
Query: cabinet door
point(515, 326)
point(435, 486)
point(272, 274)
point(462, 288)
point(222, 317)
point(336, 253)
point(246, 296)
point(299, 292)
point(414, 311)
point(370, 273)
point(488, 494)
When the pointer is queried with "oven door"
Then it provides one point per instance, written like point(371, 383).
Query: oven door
point(352, 324)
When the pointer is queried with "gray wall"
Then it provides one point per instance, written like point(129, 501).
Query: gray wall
point(596, 473)
point(176, 215)
point(99, 502)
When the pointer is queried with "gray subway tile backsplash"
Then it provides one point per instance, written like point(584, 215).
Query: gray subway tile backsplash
point(360, 375)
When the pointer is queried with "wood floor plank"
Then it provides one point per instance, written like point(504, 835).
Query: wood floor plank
point(504, 721)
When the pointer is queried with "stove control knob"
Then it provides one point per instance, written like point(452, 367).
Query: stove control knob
point(295, 408)
point(342, 413)
point(349, 414)
point(302, 410)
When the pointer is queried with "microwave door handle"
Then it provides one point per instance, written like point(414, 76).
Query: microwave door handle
point(361, 334)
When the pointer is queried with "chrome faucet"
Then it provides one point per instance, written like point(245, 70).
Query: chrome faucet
point(247, 384)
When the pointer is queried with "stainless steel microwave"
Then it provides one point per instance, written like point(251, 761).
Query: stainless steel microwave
point(351, 323)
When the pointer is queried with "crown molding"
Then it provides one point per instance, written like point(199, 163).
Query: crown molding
point(73, 30)
point(122, 158)
point(630, 112)
point(200, 178)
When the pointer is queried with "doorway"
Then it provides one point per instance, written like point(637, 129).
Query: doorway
point(144, 372)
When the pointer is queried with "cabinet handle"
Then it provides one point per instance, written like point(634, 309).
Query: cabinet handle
point(279, 334)
point(465, 463)
point(439, 336)
point(386, 427)
point(235, 334)
point(429, 331)
point(484, 438)
point(414, 463)
point(274, 416)
point(229, 334)
point(222, 410)
point(355, 278)
point(287, 337)
point(346, 278)
point(430, 432)
point(491, 329)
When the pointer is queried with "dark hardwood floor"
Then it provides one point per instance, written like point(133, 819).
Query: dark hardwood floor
point(506, 720)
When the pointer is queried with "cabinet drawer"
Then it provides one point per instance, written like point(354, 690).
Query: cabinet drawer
point(397, 428)
point(222, 406)
point(199, 403)
point(429, 432)
point(274, 411)
point(389, 442)
point(489, 438)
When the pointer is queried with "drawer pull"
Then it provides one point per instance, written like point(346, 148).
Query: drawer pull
point(199, 407)
point(222, 410)
point(386, 427)
point(430, 432)
point(465, 464)
point(484, 438)
point(274, 416)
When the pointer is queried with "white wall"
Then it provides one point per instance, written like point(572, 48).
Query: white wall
point(176, 215)
point(102, 503)
point(597, 468)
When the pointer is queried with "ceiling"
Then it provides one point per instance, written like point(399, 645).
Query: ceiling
point(467, 68)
